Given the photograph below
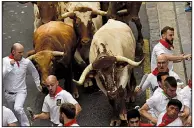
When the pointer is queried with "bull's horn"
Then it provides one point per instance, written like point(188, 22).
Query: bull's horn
point(57, 53)
point(31, 57)
point(122, 12)
point(99, 12)
point(83, 76)
point(67, 14)
point(131, 62)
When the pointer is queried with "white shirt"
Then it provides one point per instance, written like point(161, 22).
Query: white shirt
point(151, 81)
point(186, 96)
point(14, 77)
point(157, 50)
point(8, 116)
point(176, 122)
point(158, 103)
point(52, 104)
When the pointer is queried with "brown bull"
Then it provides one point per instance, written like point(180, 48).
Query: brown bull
point(54, 46)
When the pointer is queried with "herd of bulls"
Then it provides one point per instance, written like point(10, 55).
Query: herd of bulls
point(92, 38)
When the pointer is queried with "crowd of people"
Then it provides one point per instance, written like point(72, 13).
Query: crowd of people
point(169, 103)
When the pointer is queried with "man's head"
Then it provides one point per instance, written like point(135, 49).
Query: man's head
point(167, 34)
point(162, 63)
point(133, 117)
point(161, 77)
point(51, 84)
point(173, 108)
point(170, 86)
point(17, 50)
point(68, 111)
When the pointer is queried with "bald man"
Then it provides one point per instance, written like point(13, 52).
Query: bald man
point(14, 82)
point(53, 101)
point(164, 47)
point(151, 80)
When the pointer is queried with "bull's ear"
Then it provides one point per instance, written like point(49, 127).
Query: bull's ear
point(94, 15)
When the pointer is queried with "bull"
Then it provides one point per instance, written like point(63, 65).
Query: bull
point(85, 17)
point(126, 11)
point(54, 45)
point(111, 58)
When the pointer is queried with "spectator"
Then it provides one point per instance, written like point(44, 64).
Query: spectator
point(164, 47)
point(159, 101)
point(133, 118)
point(67, 115)
point(14, 81)
point(170, 117)
point(9, 118)
point(188, 7)
point(151, 81)
point(53, 101)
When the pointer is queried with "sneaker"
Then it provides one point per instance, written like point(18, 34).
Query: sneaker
point(188, 9)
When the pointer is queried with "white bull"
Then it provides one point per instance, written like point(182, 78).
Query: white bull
point(111, 56)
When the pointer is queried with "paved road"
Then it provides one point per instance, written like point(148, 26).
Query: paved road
point(18, 27)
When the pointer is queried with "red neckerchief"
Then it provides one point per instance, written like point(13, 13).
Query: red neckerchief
point(166, 120)
point(145, 125)
point(155, 71)
point(58, 89)
point(166, 44)
point(11, 57)
point(70, 123)
point(190, 83)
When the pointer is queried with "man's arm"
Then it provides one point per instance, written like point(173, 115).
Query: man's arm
point(78, 108)
point(7, 66)
point(144, 112)
point(43, 115)
point(35, 75)
point(12, 125)
point(141, 88)
point(177, 58)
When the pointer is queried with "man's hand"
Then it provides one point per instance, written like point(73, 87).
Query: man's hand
point(39, 88)
point(137, 89)
point(35, 117)
point(188, 122)
point(187, 57)
point(12, 62)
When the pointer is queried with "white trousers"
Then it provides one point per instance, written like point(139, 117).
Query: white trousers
point(15, 102)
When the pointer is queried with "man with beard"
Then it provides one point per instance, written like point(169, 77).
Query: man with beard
point(67, 115)
point(164, 47)
point(53, 101)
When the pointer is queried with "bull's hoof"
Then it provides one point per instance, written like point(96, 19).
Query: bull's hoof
point(76, 95)
point(115, 122)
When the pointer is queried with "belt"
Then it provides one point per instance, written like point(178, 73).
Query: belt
point(12, 93)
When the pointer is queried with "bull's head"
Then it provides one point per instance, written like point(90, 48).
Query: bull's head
point(47, 11)
point(43, 62)
point(83, 23)
point(107, 68)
